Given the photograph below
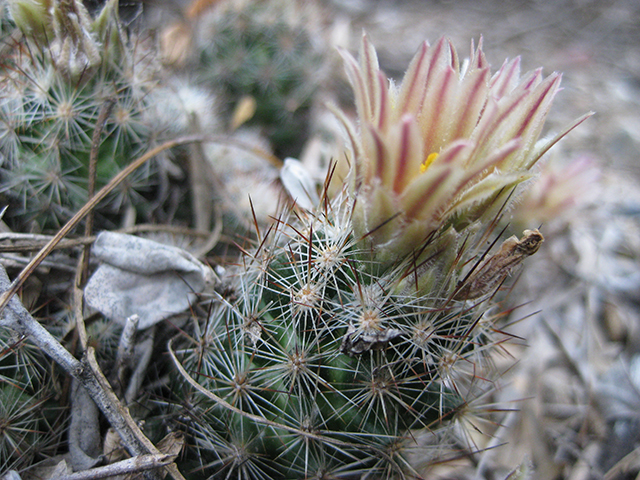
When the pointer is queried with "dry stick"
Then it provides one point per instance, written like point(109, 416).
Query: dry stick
point(87, 372)
point(16, 317)
point(105, 111)
point(29, 242)
point(82, 272)
point(78, 303)
point(131, 465)
point(629, 463)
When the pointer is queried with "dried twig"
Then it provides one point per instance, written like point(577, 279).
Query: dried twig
point(131, 465)
point(30, 242)
point(628, 464)
point(105, 111)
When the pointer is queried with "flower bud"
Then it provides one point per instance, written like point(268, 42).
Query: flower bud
point(444, 148)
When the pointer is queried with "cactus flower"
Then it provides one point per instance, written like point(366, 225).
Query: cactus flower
point(443, 146)
point(332, 351)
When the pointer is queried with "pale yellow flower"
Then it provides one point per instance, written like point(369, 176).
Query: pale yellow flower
point(444, 146)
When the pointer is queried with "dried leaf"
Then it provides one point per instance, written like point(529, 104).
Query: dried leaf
point(140, 276)
point(84, 431)
point(492, 271)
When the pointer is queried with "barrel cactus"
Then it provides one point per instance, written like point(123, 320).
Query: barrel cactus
point(356, 338)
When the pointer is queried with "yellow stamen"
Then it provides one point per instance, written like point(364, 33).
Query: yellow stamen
point(428, 162)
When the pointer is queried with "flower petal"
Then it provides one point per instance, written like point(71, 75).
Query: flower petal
point(420, 75)
point(471, 100)
point(520, 114)
point(355, 77)
point(488, 194)
point(506, 79)
point(435, 115)
point(377, 161)
point(535, 111)
point(429, 193)
point(406, 153)
point(371, 72)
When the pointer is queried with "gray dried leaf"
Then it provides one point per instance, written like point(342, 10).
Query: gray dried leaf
point(143, 277)
point(11, 474)
point(61, 469)
point(84, 432)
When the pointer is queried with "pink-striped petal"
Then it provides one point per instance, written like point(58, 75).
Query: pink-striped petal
point(354, 75)
point(471, 100)
point(406, 150)
point(422, 70)
point(506, 79)
point(435, 117)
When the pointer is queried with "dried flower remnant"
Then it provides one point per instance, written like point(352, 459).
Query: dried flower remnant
point(445, 147)
point(355, 343)
point(32, 17)
point(497, 267)
point(74, 51)
point(65, 29)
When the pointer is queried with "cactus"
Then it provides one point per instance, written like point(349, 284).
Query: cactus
point(326, 363)
point(57, 79)
point(356, 338)
point(269, 52)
